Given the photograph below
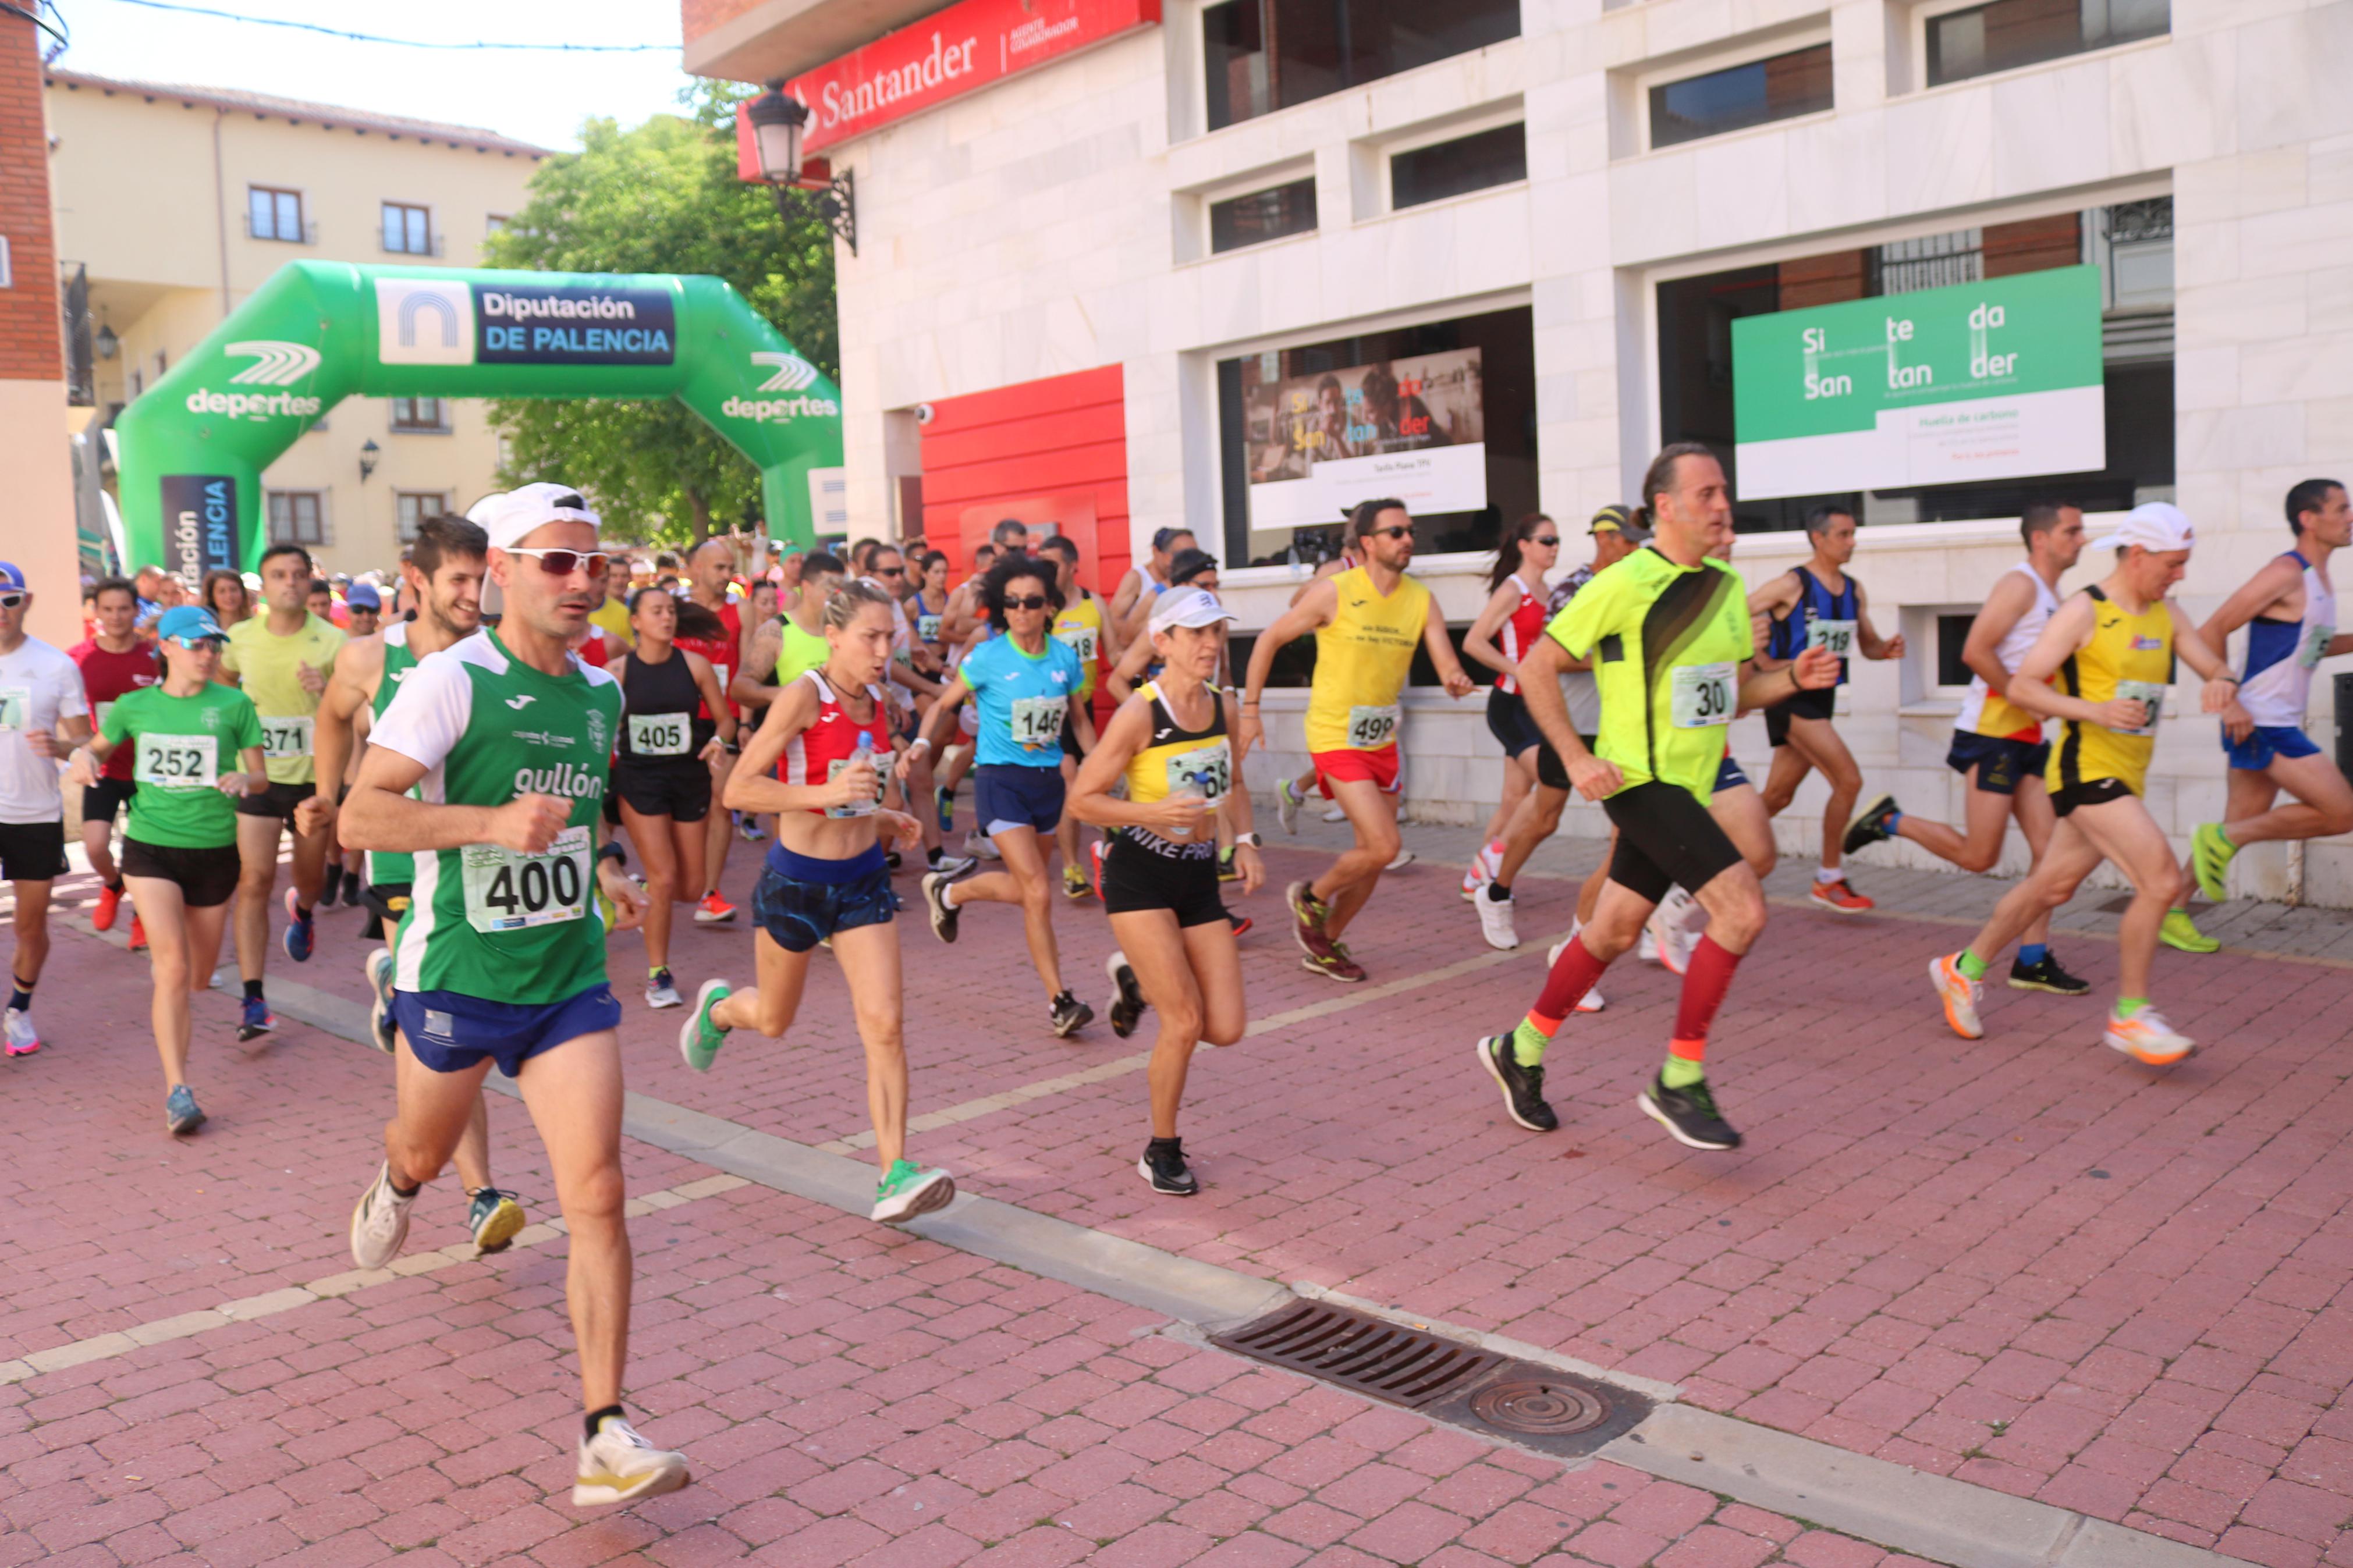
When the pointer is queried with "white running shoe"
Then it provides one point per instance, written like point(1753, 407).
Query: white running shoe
point(1646, 947)
point(1333, 813)
point(380, 1221)
point(618, 1466)
point(380, 969)
point(1670, 940)
point(1404, 858)
point(22, 1038)
point(1960, 996)
point(661, 991)
point(1287, 802)
point(1592, 1001)
point(1496, 921)
point(976, 845)
point(2148, 1039)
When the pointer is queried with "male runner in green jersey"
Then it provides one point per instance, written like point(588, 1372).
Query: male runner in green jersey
point(1672, 649)
point(506, 738)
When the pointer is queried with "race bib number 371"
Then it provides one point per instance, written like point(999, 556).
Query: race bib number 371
point(507, 891)
point(286, 735)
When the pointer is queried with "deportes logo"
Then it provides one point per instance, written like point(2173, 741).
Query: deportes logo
point(793, 373)
point(274, 364)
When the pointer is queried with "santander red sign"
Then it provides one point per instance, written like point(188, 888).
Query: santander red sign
point(943, 56)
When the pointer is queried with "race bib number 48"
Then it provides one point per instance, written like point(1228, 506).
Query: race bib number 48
point(1038, 721)
point(659, 734)
point(1702, 697)
point(1080, 640)
point(286, 736)
point(506, 891)
point(1370, 728)
point(176, 762)
point(1836, 635)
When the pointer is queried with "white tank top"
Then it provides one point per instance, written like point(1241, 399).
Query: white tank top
point(2007, 718)
point(2276, 686)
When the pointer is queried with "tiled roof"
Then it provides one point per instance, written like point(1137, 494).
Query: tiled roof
point(302, 112)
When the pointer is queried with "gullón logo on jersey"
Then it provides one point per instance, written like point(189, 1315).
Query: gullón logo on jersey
point(565, 779)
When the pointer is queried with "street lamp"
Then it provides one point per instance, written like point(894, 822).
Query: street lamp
point(368, 454)
point(777, 122)
point(106, 343)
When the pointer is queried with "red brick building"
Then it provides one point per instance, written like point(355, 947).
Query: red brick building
point(37, 522)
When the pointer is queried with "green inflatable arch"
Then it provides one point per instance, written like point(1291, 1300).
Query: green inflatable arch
point(193, 450)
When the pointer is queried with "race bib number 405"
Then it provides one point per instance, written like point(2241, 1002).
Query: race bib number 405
point(1038, 721)
point(506, 891)
point(1836, 635)
point(1703, 698)
point(659, 734)
point(176, 762)
point(286, 736)
point(1370, 728)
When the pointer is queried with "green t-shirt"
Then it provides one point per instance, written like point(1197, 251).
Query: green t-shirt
point(483, 921)
point(800, 653)
point(391, 869)
point(181, 746)
point(268, 669)
point(1667, 643)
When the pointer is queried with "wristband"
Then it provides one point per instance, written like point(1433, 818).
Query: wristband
point(1241, 839)
point(922, 740)
point(613, 852)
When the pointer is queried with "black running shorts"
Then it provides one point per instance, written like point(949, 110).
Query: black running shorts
point(1665, 838)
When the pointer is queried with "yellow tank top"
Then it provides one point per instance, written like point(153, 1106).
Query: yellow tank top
point(2129, 656)
point(1080, 625)
point(1179, 760)
point(1361, 659)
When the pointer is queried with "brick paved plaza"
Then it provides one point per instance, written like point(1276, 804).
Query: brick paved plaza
point(2024, 1263)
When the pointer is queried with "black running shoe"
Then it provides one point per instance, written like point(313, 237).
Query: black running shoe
point(1870, 824)
point(1164, 1166)
point(2047, 976)
point(1523, 1087)
point(943, 914)
point(1070, 1015)
point(1688, 1113)
point(1127, 996)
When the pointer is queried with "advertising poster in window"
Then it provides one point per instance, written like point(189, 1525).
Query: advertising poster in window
point(1413, 427)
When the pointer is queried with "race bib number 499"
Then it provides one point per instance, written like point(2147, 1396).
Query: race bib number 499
point(507, 891)
point(1370, 728)
point(1702, 697)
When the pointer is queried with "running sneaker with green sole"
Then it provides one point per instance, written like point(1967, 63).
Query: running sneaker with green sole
point(907, 1190)
point(2211, 854)
point(2180, 933)
point(699, 1038)
point(2047, 976)
point(495, 1219)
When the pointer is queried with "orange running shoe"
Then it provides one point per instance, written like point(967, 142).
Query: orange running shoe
point(2148, 1039)
point(110, 899)
point(1841, 898)
point(713, 909)
point(1959, 994)
point(138, 934)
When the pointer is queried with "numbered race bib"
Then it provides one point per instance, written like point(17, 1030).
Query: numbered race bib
point(2316, 639)
point(1836, 635)
point(1038, 721)
point(2150, 695)
point(506, 891)
point(1370, 728)
point(1206, 770)
point(927, 627)
point(659, 734)
point(15, 707)
point(1703, 697)
point(1080, 640)
point(176, 762)
point(882, 762)
point(286, 736)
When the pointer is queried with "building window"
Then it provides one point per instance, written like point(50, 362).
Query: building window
point(2012, 33)
point(495, 224)
point(1265, 55)
point(274, 214)
point(1780, 88)
point(408, 230)
point(1262, 215)
point(1496, 157)
point(1306, 432)
point(411, 507)
point(1931, 261)
point(294, 518)
point(427, 414)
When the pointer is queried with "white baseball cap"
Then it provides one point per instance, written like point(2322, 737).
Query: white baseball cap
point(510, 516)
point(1190, 607)
point(2153, 525)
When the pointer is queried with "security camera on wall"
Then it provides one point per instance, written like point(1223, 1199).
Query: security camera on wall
point(923, 414)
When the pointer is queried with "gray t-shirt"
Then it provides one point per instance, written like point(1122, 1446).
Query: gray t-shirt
point(1577, 686)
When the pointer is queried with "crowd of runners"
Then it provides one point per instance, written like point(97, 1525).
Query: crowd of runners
point(484, 784)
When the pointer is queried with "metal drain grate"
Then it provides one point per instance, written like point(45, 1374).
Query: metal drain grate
point(1539, 1406)
point(1411, 1367)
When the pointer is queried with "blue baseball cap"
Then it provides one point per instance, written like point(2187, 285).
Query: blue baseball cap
point(12, 577)
point(361, 596)
point(183, 623)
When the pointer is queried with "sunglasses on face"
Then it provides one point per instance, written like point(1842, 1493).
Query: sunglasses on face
point(196, 644)
point(11, 601)
point(1026, 601)
point(1547, 539)
point(1393, 532)
point(889, 571)
point(564, 563)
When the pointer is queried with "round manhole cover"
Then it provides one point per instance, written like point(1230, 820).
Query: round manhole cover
point(1548, 1408)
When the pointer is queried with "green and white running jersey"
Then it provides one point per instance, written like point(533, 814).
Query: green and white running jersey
point(391, 869)
point(482, 921)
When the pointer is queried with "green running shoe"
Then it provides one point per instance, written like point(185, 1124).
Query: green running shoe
point(2209, 857)
point(2178, 932)
point(907, 1190)
point(699, 1038)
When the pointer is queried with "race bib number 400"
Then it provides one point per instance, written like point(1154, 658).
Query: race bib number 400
point(286, 736)
point(1703, 697)
point(1038, 721)
point(506, 891)
point(176, 762)
point(15, 707)
point(2150, 696)
point(1370, 728)
point(1836, 635)
point(659, 734)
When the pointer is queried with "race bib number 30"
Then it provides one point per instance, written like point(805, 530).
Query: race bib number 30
point(176, 762)
point(1703, 697)
point(2150, 696)
point(1836, 635)
point(286, 736)
point(1038, 721)
point(659, 734)
point(1370, 728)
point(506, 891)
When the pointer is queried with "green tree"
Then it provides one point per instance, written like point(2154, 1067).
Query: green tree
point(662, 197)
